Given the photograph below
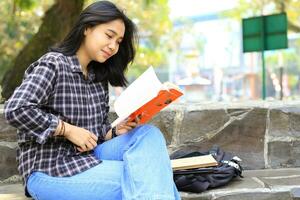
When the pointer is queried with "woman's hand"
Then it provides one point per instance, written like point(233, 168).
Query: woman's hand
point(82, 138)
point(125, 127)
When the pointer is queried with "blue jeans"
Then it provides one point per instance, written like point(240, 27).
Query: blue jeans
point(135, 166)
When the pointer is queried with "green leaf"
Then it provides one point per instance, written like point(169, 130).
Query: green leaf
point(26, 4)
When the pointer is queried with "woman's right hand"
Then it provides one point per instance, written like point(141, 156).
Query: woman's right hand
point(82, 138)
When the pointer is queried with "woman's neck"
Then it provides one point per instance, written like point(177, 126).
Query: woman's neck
point(83, 59)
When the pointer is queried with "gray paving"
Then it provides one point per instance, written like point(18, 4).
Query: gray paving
point(270, 184)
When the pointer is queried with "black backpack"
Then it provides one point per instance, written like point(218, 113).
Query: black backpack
point(200, 179)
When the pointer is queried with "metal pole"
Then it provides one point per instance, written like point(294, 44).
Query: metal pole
point(263, 58)
point(262, 52)
point(263, 75)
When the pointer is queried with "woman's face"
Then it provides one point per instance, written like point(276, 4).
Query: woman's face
point(102, 41)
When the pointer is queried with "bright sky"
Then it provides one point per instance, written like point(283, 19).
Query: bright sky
point(198, 7)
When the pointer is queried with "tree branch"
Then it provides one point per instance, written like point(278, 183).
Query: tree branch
point(293, 27)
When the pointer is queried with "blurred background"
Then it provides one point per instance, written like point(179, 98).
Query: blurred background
point(196, 44)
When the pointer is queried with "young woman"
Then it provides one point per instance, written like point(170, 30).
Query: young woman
point(67, 149)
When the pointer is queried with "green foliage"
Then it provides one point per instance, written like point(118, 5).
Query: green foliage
point(251, 8)
point(26, 4)
point(153, 23)
point(19, 21)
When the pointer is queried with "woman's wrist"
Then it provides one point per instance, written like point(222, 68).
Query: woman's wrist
point(114, 132)
point(111, 133)
point(61, 129)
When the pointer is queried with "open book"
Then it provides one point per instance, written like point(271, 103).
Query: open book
point(145, 97)
point(194, 162)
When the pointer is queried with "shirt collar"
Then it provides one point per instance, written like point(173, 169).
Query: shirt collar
point(76, 67)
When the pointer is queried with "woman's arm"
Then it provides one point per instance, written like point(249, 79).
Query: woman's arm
point(23, 109)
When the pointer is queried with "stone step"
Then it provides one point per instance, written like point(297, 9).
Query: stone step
point(268, 184)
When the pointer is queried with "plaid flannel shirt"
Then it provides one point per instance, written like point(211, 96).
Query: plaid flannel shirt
point(54, 88)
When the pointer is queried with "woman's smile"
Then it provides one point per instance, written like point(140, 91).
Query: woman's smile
point(106, 54)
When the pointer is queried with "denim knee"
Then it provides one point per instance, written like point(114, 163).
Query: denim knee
point(151, 132)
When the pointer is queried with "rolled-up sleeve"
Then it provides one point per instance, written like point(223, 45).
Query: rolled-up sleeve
point(23, 109)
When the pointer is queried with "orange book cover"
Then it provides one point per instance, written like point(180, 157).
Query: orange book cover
point(148, 110)
point(144, 98)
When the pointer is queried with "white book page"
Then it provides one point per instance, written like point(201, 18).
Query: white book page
point(142, 90)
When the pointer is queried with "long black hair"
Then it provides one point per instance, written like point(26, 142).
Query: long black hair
point(112, 70)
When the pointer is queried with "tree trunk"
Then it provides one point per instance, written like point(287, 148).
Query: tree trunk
point(57, 21)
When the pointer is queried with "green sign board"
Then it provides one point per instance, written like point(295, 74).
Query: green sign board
point(265, 33)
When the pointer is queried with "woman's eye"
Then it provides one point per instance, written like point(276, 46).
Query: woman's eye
point(109, 36)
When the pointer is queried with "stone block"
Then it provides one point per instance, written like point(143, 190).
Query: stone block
point(246, 194)
point(283, 154)
point(294, 172)
point(7, 132)
point(12, 189)
point(8, 165)
point(201, 124)
point(295, 193)
point(281, 181)
point(250, 195)
point(165, 121)
point(240, 131)
point(284, 122)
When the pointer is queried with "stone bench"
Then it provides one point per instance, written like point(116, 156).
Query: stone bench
point(266, 135)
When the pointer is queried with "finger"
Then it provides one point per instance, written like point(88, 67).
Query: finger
point(83, 147)
point(138, 118)
point(126, 120)
point(122, 123)
point(123, 131)
point(129, 123)
point(94, 137)
point(79, 149)
point(126, 127)
point(93, 143)
point(89, 146)
point(132, 124)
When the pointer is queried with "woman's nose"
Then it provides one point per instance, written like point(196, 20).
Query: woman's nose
point(112, 46)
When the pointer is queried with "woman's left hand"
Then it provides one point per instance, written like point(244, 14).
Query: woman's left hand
point(125, 127)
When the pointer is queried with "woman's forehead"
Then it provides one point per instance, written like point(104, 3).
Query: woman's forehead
point(116, 27)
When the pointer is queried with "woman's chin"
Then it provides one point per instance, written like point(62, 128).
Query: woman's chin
point(101, 59)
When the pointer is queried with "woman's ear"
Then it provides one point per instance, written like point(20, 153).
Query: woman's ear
point(88, 30)
point(85, 31)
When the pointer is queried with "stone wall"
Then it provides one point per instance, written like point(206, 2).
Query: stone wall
point(8, 145)
point(262, 134)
